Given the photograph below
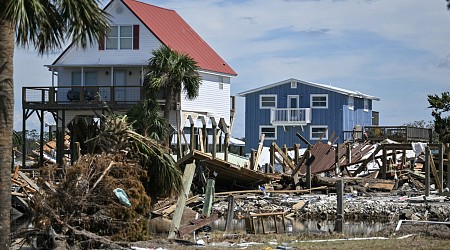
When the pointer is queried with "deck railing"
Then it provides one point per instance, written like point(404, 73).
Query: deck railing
point(81, 95)
point(398, 133)
point(290, 116)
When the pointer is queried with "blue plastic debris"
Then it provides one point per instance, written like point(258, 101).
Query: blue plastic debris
point(122, 196)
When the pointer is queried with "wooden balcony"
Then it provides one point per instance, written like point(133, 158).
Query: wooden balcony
point(81, 97)
point(398, 133)
point(290, 116)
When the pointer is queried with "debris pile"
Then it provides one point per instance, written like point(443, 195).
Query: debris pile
point(85, 202)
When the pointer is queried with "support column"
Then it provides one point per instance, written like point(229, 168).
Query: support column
point(427, 171)
point(384, 165)
point(447, 147)
point(340, 206)
point(230, 214)
point(41, 138)
point(441, 165)
point(209, 197)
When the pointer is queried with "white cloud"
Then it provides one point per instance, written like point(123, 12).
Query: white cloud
point(396, 50)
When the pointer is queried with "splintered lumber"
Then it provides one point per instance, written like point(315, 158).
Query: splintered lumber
point(271, 191)
point(386, 185)
point(434, 171)
point(258, 152)
point(196, 224)
point(285, 157)
point(28, 180)
point(302, 160)
point(369, 183)
point(170, 208)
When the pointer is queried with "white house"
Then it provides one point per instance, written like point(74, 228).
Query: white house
point(114, 66)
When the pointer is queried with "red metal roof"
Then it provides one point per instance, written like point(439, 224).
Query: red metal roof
point(175, 33)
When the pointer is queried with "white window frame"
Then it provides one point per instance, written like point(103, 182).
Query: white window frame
point(119, 36)
point(293, 85)
point(318, 126)
point(266, 137)
point(267, 107)
point(318, 95)
point(297, 105)
point(351, 102)
point(366, 105)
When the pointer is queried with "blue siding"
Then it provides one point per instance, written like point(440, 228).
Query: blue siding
point(337, 116)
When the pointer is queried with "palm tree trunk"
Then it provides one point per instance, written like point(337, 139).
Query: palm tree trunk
point(6, 126)
point(167, 109)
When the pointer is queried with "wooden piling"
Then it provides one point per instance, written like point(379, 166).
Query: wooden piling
point(209, 197)
point(188, 175)
point(230, 214)
point(340, 206)
point(427, 171)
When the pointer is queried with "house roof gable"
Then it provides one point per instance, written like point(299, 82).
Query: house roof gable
point(318, 85)
point(175, 33)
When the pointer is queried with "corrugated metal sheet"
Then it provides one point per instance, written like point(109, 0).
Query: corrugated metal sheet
point(175, 33)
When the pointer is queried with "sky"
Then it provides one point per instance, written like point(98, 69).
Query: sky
point(397, 50)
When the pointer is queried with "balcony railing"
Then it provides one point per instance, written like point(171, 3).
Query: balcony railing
point(81, 96)
point(290, 116)
point(399, 133)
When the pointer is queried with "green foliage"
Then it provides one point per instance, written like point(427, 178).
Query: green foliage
point(171, 69)
point(46, 24)
point(440, 105)
point(146, 119)
point(164, 177)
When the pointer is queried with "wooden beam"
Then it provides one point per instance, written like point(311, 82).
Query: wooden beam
point(188, 175)
point(434, 171)
point(286, 159)
point(258, 152)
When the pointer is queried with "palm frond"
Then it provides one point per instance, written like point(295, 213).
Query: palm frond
point(46, 24)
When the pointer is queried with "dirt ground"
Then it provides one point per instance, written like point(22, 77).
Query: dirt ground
point(408, 237)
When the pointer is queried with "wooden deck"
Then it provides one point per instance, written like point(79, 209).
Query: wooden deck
point(81, 97)
point(398, 133)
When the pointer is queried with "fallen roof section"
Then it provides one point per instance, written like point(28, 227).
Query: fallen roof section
point(228, 174)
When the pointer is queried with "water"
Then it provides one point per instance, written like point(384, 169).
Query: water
point(304, 226)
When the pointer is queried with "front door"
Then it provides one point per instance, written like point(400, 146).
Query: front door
point(119, 82)
point(292, 104)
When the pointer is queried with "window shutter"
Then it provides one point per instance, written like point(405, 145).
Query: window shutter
point(135, 37)
point(101, 43)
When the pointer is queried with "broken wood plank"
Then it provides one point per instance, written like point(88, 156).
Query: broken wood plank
point(258, 152)
point(434, 171)
point(272, 191)
point(196, 224)
point(286, 160)
point(28, 180)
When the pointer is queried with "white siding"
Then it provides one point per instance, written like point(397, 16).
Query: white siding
point(93, 56)
point(211, 100)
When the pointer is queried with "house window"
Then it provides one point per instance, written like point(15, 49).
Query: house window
point(351, 102)
point(269, 132)
point(293, 85)
point(267, 101)
point(119, 37)
point(319, 101)
point(317, 131)
point(366, 105)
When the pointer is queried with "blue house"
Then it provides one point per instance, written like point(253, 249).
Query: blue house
point(282, 109)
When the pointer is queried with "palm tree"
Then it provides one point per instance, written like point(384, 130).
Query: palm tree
point(45, 25)
point(174, 72)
